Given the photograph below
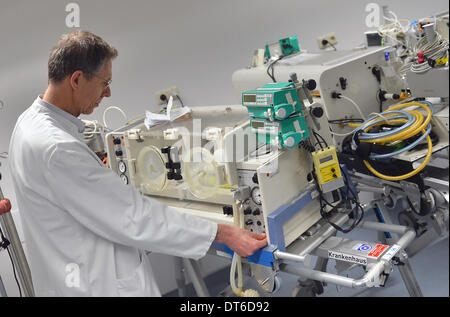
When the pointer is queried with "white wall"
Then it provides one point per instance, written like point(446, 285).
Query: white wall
point(193, 44)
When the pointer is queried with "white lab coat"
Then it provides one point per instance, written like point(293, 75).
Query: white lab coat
point(84, 229)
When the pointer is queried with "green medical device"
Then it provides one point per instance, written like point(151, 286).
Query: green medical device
point(283, 47)
point(276, 115)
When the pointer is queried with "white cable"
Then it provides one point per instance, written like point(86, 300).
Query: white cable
point(435, 50)
point(354, 104)
point(360, 113)
point(395, 27)
point(92, 129)
point(342, 134)
point(233, 273)
point(236, 262)
point(380, 115)
point(115, 108)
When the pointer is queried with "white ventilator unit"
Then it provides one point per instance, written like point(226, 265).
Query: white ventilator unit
point(206, 160)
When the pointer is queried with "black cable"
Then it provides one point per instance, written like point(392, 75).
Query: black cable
point(326, 215)
point(345, 121)
point(381, 105)
point(14, 272)
point(318, 141)
point(270, 67)
point(181, 101)
point(307, 145)
point(318, 135)
point(5, 244)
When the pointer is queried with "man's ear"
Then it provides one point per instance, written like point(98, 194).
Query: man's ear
point(75, 79)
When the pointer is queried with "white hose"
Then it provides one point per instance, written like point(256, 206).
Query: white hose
point(355, 105)
point(237, 262)
point(360, 113)
point(110, 108)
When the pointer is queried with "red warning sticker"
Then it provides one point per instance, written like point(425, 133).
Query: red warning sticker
point(378, 250)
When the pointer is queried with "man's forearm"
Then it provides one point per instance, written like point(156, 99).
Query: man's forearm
point(223, 233)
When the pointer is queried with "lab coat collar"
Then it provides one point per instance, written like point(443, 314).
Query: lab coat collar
point(79, 124)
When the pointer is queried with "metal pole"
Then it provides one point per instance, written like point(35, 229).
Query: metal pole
point(326, 231)
point(2, 289)
point(193, 271)
point(405, 268)
point(410, 280)
point(369, 277)
point(306, 259)
point(17, 254)
point(179, 276)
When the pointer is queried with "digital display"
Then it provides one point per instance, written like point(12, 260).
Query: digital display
point(258, 124)
point(249, 98)
point(326, 159)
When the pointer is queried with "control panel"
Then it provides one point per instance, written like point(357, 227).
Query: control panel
point(120, 162)
point(252, 206)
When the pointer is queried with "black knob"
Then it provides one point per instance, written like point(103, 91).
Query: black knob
point(249, 222)
point(255, 178)
point(247, 211)
point(311, 84)
point(256, 212)
point(165, 150)
point(293, 77)
point(119, 153)
point(227, 210)
point(317, 112)
point(117, 141)
point(343, 83)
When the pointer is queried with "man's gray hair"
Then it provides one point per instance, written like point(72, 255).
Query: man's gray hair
point(80, 50)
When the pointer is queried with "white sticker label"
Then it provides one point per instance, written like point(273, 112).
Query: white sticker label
point(391, 252)
point(362, 247)
point(297, 127)
point(347, 257)
point(289, 98)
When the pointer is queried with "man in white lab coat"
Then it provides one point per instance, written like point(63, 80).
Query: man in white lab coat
point(86, 231)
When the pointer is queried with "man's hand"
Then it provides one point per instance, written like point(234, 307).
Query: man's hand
point(241, 241)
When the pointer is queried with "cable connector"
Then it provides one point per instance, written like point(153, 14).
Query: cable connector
point(420, 57)
point(377, 73)
point(384, 95)
point(336, 95)
point(4, 243)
